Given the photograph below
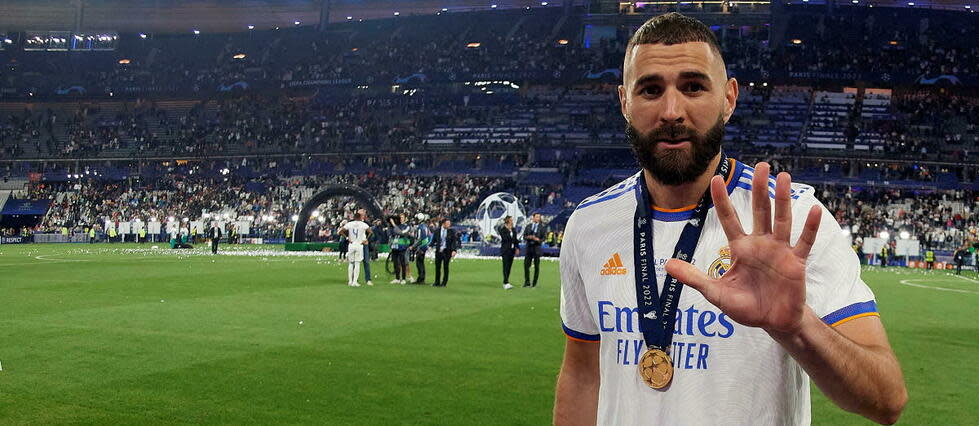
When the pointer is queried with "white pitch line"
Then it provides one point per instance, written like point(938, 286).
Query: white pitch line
point(45, 261)
point(908, 283)
point(45, 257)
point(967, 278)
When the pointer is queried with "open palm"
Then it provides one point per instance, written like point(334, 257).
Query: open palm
point(766, 283)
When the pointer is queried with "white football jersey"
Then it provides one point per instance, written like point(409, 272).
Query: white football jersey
point(725, 373)
point(356, 232)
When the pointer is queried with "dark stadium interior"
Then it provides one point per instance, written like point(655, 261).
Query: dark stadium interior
point(875, 106)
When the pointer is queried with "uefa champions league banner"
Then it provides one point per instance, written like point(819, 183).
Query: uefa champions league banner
point(613, 75)
point(609, 75)
point(26, 207)
point(884, 78)
point(325, 82)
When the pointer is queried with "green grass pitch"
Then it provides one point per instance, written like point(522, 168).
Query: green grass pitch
point(125, 334)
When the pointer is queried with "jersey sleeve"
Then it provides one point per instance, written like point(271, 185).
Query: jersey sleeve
point(834, 289)
point(577, 320)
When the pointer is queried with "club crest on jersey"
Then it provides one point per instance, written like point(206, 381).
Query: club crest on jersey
point(613, 266)
point(721, 264)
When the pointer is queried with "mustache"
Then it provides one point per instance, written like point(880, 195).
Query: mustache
point(670, 133)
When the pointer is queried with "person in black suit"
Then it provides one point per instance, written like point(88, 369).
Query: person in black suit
point(214, 234)
point(509, 247)
point(533, 234)
point(445, 241)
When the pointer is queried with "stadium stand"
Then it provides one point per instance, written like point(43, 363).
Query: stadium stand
point(516, 100)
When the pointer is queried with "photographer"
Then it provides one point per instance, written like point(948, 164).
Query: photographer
point(423, 237)
point(400, 240)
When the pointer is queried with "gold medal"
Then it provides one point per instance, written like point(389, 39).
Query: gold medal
point(656, 369)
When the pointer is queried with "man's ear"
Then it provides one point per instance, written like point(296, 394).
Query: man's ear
point(622, 101)
point(730, 98)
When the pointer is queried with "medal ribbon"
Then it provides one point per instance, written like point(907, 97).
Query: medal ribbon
point(657, 313)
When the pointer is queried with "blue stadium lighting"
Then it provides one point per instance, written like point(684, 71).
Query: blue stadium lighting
point(142, 36)
point(856, 1)
point(968, 7)
point(350, 18)
point(493, 6)
point(197, 32)
point(296, 22)
point(397, 13)
point(8, 41)
point(543, 3)
point(910, 3)
point(251, 27)
point(445, 9)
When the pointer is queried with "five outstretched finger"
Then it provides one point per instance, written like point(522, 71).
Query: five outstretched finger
point(783, 207)
point(691, 276)
point(761, 205)
point(808, 237)
point(725, 209)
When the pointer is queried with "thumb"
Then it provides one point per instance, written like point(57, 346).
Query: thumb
point(690, 276)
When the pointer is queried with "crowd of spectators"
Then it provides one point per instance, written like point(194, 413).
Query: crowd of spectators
point(939, 220)
point(397, 109)
point(268, 204)
point(881, 40)
point(347, 118)
point(536, 43)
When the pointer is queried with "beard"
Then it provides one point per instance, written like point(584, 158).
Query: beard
point(676, 166)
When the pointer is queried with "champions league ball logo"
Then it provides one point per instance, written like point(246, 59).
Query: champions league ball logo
point(494, 208)
point(721, 264)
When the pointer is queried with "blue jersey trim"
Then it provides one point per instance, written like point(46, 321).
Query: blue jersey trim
point(579, 335)
point(687, 214)
point(606, 198)
point(749, 172)
point(850, 311)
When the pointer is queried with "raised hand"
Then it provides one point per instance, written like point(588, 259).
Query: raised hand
point(766, 284)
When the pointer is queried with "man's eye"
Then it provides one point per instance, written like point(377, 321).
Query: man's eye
point(695, 87)
point(650, 90)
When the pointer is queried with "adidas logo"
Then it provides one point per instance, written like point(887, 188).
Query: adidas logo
point(613, 266)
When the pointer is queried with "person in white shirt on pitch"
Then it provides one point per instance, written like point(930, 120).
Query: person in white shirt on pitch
point(771, 306)
point(356, 232)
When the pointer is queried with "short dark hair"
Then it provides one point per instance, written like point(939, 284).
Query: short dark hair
point(357, 216)
point(673, 28)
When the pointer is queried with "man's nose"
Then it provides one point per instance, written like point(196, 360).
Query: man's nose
point(674, 103)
